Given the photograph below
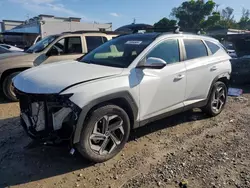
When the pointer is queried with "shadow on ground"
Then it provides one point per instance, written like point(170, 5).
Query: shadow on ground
point(21, 163)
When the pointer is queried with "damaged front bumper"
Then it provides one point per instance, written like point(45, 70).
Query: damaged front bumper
point(48, 117)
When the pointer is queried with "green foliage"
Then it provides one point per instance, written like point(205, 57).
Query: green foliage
point(244, 22)
point(211, 20)
point(165, 23)
point(192, 14)
point(227, 18)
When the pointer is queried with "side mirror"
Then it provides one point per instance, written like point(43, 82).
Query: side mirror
point(52, 52)
point(152, 63)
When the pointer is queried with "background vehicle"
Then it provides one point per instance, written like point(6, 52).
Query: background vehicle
point(123, 84)
point(67, 46)
point(240, 62)
point(11, 48)
point(4, 50)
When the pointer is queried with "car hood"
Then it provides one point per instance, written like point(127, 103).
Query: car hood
point(54, 78)
point(11, 54)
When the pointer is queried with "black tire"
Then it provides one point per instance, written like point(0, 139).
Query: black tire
point(8, 89)
point(209, 108)
point(85, 144)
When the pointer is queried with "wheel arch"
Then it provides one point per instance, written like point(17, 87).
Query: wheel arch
point(225, 78)
point(121, 99)
point(10, 71)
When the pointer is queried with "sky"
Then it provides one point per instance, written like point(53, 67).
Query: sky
point(119, 12)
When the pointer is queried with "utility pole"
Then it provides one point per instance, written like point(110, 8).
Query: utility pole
point(134, 21)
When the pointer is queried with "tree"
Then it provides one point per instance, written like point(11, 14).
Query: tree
point(227, 18)
point(211, 20)
point(192, 14)
point(227, 14)
point(165, 23)
point(244, 22)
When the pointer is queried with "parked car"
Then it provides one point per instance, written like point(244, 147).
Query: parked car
point(11, 48)
point(67, 46)
point(123, 84)
point(241, 63)
point(4, 50)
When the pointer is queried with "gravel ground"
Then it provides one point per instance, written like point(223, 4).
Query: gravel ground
point(190, 148)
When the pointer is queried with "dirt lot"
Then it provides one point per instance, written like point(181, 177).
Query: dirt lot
point(205, 152)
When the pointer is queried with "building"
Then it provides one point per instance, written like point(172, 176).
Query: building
point(26, 33)
point(10, 24)
point(226, 32)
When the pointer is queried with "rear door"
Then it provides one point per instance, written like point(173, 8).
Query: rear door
point(217, 62)
point(93, 42)
point(196, 56)
point(67, 48)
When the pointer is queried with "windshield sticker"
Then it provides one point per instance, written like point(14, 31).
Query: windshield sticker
point(134, 42)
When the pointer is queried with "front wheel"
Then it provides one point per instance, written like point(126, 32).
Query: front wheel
point(217, 99)
point(8, 88)
point(105, 133)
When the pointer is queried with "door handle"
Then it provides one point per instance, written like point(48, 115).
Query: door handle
point(214, 68)
point(179, 77)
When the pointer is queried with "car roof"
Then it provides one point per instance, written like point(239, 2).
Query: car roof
point(155, 35)
point(152, 35)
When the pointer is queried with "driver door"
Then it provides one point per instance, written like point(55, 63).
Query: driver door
point(163, 90)
point(68, 48)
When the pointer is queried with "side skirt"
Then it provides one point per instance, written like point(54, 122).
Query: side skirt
point(173, 112)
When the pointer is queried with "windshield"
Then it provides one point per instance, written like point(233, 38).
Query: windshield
point(119, 52)
point(42, 44)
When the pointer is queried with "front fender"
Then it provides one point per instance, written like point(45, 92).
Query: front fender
point(85, 110)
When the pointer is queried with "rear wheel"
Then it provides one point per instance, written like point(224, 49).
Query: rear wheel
point(8, 88)
point(217, 99)
point(105, 133)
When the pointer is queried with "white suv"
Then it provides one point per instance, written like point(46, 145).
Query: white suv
point(123, 84)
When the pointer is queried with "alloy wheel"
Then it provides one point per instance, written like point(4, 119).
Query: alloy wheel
point(219, 99)
point(107, 134)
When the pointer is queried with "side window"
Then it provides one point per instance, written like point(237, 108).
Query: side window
point(195, 48)
point(94, 41)
point(74, 45)
point(167, 50)
point(213, 47)
point(59, 47)
point(67, 46)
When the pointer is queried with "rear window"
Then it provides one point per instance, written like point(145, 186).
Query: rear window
point(94, 41)
point(213, 47)
point(195, 48)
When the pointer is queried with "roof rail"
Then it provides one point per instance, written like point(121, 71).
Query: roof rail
point(176, 29)
point(92, 31)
